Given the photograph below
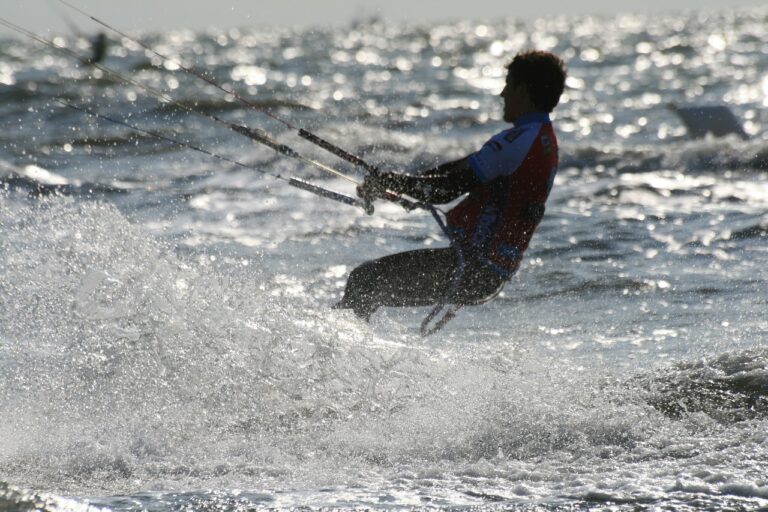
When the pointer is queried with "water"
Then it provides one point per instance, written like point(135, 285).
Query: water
point(167, 337)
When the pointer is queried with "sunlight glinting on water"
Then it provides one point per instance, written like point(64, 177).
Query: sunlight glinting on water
point(166, 321)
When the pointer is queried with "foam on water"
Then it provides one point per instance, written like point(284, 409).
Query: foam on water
point(127, 368)
point(110, 333)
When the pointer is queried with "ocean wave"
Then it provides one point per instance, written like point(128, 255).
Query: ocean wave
point(757, 230)
point(729, 388)
point(38, 182)
point(16, 499)
point(697, 157)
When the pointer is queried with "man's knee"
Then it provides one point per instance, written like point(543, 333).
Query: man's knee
point(478, 285)
point(360, 294)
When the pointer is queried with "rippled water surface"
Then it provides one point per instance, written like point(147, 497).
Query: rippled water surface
point(166, 337)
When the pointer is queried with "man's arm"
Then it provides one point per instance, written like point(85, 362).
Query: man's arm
point(440, 185)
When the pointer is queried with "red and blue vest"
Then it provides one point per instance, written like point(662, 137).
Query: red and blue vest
point(516, 169)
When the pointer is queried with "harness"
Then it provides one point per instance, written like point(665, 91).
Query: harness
point(425, 329)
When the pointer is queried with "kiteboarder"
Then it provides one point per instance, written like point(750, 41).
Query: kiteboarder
point(506, 184)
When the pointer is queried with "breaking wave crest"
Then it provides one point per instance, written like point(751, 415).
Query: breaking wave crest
point(729, 388)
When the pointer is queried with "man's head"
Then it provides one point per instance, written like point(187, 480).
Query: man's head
point(535, 81)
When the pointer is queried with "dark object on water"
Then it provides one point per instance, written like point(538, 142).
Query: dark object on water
point(715, 119)
point(98, 49)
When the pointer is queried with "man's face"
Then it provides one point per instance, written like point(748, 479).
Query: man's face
point(515, 98)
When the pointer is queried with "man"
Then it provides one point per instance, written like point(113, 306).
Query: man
point(98, 49)
point(507, 183)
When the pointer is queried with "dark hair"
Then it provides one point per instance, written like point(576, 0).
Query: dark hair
point(543, 73)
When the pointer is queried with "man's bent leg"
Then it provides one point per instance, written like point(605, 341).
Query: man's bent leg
point(413, 278)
